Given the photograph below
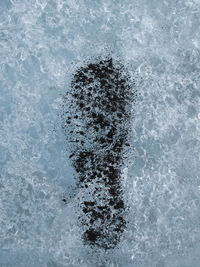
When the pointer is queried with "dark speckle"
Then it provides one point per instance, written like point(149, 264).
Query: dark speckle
point(100, 95)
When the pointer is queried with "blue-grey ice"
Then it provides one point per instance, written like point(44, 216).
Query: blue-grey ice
point(42, 42)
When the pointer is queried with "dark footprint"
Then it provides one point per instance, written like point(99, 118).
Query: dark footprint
point(96, 128)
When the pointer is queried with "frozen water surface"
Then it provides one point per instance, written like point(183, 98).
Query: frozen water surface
point(41, 44)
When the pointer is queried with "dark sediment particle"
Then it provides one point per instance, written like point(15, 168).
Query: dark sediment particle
point(100, 112)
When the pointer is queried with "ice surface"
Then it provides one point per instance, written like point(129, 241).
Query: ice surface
point(41, 43)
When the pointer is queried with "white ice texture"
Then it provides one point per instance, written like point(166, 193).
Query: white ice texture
point(41, 43)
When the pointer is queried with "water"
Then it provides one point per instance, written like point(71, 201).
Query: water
point(41, 44)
